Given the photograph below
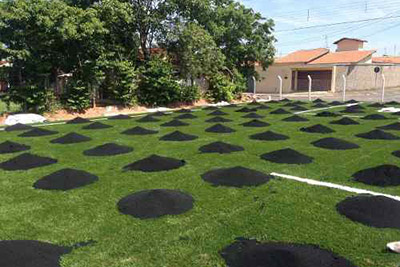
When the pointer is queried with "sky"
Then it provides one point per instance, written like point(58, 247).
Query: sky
point(382, 31)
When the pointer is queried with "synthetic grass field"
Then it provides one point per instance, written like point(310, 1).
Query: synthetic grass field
point(280, 210)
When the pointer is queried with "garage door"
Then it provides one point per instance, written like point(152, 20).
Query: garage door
point(321, 80)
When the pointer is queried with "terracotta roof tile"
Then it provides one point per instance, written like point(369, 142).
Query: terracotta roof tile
point(302, 56)
point(353, 39)
point(343, 57)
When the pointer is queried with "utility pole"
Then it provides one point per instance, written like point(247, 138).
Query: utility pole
point(326, 41)
point(308, 15)
point(395, 50)
point(366, 6)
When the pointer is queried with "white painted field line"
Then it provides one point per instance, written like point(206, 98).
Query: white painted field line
point(335, 186)
point(331, 107)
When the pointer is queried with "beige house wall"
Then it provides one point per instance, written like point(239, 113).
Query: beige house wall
point(349, 45)
point(269, 82)
point(363, 77)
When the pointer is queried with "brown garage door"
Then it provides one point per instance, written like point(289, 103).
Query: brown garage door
point(321, 80)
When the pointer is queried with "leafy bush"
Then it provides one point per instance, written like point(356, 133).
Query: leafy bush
point(159, 86)
point(189, 93)
point(77, 97)
point(221, 88)
point(32, 98)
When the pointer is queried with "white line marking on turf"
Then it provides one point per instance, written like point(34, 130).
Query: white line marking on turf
point(331, 107)
point(332, 185)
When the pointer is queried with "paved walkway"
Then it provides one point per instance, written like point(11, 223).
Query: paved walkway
point(392, 94)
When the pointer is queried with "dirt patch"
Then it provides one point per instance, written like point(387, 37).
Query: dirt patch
point(326, 114)
point(139, 131)
point(345, 121)
point(78, 120)
point(219, 128)
point(287, 156)
point(255, 123)
point(218, 119)
point(155, 163)
point(109, 149)
point(375, 211)
point(24, 253)
point(253, 116)
point(295, 118)
point(186, 116)
point(155, 203)
point(280, 111)
point(120, 117)
point(26, 161)
point(269, 136)
point(221, 148)
point(65, 179)
point(236, 177)
point(394, 127)
point(148, 118)
point(218, 113)
point(37, 132)
point(178, 137)
point(378, 135)
point(384, 175)
point(299, 108)
point(71, 138)
point(318, 128)
point(18, 127)
point(374, 117)
point(251, 253)
point(96, 126)
point(11, 147)
point(175, 123)
point(335, 144)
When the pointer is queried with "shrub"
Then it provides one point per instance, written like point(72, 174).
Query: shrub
point(77, 98)
point(159, 86)
point(221, 88)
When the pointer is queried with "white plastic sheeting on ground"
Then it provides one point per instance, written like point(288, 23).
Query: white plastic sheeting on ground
point(26, 118)
point(389, 110)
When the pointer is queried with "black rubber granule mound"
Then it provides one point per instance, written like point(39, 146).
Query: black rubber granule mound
point(285, 100)
point(109, 149)
point(345, 121)
point(287, 156)
point(269, 136)
point(352, 101)
point(393, 103)
point(185, 110)
point(219, 128)
point(221, 148)
point(18, 127)
point(280, 111)
point(236, 177)
point(318, 128)
point(65, 179)
point(377, 105)
point(120, 117)
point(353, 109)
point(148, 118)
point(139, 131)
point(186, 116)
point(374, 117)
point(295, 118)
point(96, 126)
point(396, 113)
point(218, 119)
point(375, 211)
point(30, 253)
point(218, 113)
point(78, 120)
point(290, 104)
point(155, 203)
point(246, 110)
point(231, 106)
point(320, 105)
point(159, 114)
point(384, 175)
point(263, 107)
point(155, 163)
point(251, 253)
point(255, 123)
point(394, 127)
point(253, 116)
point(335, 144)
point(378, 135)
point(319, 100)
point(179, 137)
point(326, 114)
point(336, 103)
point(174, 123)
point(70, 138)
point(210, 108)
point(299, 108)
point(11, 147)
point(254, 103)
point(26, 161)
point(37, 132)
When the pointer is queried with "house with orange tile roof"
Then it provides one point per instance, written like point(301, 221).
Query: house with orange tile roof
point(328, 69)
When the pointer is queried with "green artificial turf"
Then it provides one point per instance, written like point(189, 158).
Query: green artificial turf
point(280, 210)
